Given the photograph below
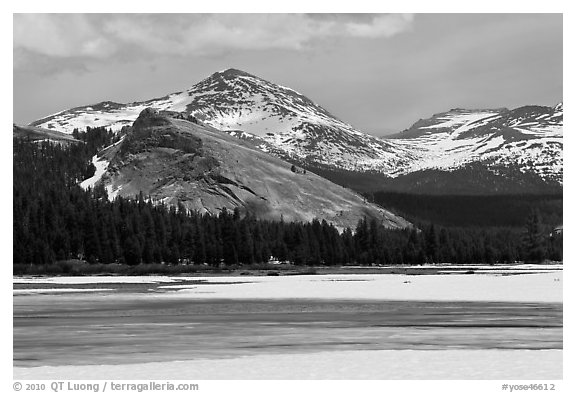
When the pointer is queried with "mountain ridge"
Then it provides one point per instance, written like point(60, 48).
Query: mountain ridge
point(280, 121)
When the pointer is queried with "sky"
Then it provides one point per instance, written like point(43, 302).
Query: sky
point(378, 72)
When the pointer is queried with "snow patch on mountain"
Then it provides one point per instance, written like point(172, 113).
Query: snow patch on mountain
point(101, 165)
point(456, 120)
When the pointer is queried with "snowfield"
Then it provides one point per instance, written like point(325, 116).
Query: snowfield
point(72, 280)
point(500, 284)
point(361, 365)
point(546, 287)
point(57, 290)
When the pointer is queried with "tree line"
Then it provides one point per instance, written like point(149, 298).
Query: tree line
point(509, 210)
point(55, 219)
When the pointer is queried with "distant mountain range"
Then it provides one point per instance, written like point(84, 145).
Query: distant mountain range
point(459, 151)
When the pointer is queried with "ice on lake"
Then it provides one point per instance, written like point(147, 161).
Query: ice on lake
point(360, 326)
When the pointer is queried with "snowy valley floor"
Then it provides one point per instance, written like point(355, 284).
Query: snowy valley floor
point(499, 323)
point(363, 365)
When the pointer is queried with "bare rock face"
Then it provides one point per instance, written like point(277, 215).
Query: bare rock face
point(153, 130)
point(150, 117)
point(178, 162)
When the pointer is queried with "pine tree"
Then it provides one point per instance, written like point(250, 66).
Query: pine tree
point(533, 238)
point(132, 251)
point(432, 244)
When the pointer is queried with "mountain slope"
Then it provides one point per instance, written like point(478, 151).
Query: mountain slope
point(527, 138)
point(280, 121)
point(176, 161)
point(275, 118)
point(37, 134)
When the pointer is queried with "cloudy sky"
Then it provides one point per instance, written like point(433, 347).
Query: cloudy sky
point(378, 72)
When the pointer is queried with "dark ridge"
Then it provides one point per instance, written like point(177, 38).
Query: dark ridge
point(150, 118)
point(154, 129)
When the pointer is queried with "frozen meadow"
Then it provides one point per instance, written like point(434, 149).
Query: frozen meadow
point(526, 283)
point(500, 322)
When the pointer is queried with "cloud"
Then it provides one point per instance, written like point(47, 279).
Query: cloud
point(366, 25)
point(381, 26)
point(61, 35)
point(102, 36)
point(40, 64)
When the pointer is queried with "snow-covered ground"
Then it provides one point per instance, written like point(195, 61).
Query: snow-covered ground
point(362, 365)
point(497, 286)
point(537, 287)
point(73, 280)
point(101, 165)
point(58, 290)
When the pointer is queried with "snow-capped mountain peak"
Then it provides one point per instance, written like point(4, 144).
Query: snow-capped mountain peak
point(236, 100)
point(283, 122)
point(529, 137)
point(277, 119)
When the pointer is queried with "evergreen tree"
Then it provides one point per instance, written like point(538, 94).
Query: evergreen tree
point(132, 251)
point(432, 244)
point(533, 238)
